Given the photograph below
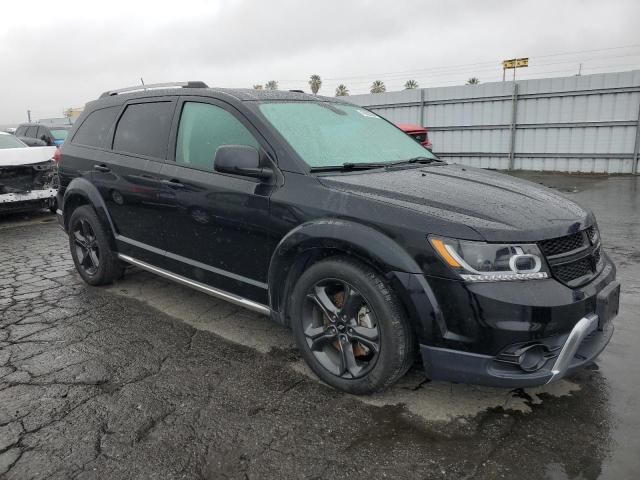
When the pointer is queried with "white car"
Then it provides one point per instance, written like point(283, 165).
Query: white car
point(28, 175)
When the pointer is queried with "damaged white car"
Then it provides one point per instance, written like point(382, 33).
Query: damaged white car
point(28, 176)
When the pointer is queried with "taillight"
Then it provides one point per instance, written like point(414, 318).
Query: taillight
point(56, 155)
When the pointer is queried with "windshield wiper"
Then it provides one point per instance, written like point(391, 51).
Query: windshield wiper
point(349, 166)
point(425, 160)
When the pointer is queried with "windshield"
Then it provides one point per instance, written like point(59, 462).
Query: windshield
point(328, 134)
point(9, 141)
point(59, 133)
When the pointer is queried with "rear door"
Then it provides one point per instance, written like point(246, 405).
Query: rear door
point(219, 233)
point(128, 177)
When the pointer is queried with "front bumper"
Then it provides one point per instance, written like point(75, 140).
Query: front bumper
point(474, 332)
point(34, 199)
point(577, 348)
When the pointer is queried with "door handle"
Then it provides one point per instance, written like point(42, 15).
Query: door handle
point(101, 168)
point(173, 183)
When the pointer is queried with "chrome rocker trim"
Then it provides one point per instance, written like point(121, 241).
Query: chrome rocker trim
point(214, 292)
point(584, 327)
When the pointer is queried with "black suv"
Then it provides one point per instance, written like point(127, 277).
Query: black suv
point(40, 135)
point(332, 221)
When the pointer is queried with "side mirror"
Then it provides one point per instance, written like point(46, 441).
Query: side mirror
point(240, 160)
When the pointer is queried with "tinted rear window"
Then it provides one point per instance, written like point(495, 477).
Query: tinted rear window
point(21, 131)
point(144, 129)
point(95, 129)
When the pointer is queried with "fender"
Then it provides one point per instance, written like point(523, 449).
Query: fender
point(364, 242)
point(84, 188)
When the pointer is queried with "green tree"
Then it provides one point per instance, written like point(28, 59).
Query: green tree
point(473, 81)
point(410, 84)
point(342, 90)
point(315, 82)
point(378, 86)
point(258, 86)
point(271, 85)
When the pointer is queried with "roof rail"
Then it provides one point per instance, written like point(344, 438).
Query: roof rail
point(154, 86)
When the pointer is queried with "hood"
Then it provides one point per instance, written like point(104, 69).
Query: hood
point(497, 206)
point(13, 157)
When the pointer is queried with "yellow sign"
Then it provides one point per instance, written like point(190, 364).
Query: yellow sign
point(515, 63)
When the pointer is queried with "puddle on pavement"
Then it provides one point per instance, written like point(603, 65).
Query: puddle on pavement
point(432, 401)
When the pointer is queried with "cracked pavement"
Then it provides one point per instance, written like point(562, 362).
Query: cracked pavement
point(146, 379)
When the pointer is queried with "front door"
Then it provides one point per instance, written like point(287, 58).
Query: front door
point(219, 232)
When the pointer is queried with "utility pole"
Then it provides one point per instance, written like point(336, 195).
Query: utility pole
point(579, 70)
point(29, 116)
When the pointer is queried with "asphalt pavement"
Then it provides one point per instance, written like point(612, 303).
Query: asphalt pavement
point(147, 379)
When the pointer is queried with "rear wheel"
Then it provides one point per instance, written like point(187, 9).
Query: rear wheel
point(350, 326)
point(90, 249)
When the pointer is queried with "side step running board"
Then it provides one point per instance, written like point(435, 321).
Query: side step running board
point(214, 292)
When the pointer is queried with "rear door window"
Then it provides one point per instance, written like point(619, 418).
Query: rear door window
point(143, 129)
point(203, 128)
point(31, 131)
point(42, 131)
point(94, 131)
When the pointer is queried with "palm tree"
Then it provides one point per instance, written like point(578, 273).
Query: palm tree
point(378, 87)
point(271, 85)
point(342, 90)
point(258, 87)
point(315, 82)
point(473, 81)
point(410, 84)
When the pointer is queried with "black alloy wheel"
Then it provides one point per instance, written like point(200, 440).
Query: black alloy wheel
point(350, 326)
point(341, 329)
point(90, 247)
point(87, 248)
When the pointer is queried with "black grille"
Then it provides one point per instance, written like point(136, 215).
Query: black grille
point(561, 254)
point(556, 246)
point(574, 270)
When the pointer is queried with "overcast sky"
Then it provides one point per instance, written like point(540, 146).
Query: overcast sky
point(62, 54)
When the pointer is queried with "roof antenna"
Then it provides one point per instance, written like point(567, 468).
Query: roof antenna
point(142, 81)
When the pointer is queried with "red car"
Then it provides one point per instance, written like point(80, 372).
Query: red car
point(418, 133)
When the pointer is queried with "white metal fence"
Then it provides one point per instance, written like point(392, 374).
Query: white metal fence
point(587, 123)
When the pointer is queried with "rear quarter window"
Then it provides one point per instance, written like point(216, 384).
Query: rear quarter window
point(94, 131)
point(143, 129)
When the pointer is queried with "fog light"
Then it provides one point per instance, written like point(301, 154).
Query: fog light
point(533, 357)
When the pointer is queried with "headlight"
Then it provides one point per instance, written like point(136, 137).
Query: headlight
point(491, 262)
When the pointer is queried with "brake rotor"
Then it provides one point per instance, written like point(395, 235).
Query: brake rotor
point(363, 319)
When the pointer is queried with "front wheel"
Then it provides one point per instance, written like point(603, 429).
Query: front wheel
point(350, 326)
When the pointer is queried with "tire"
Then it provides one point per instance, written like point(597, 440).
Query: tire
point(368, 313)
point(89, 245)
